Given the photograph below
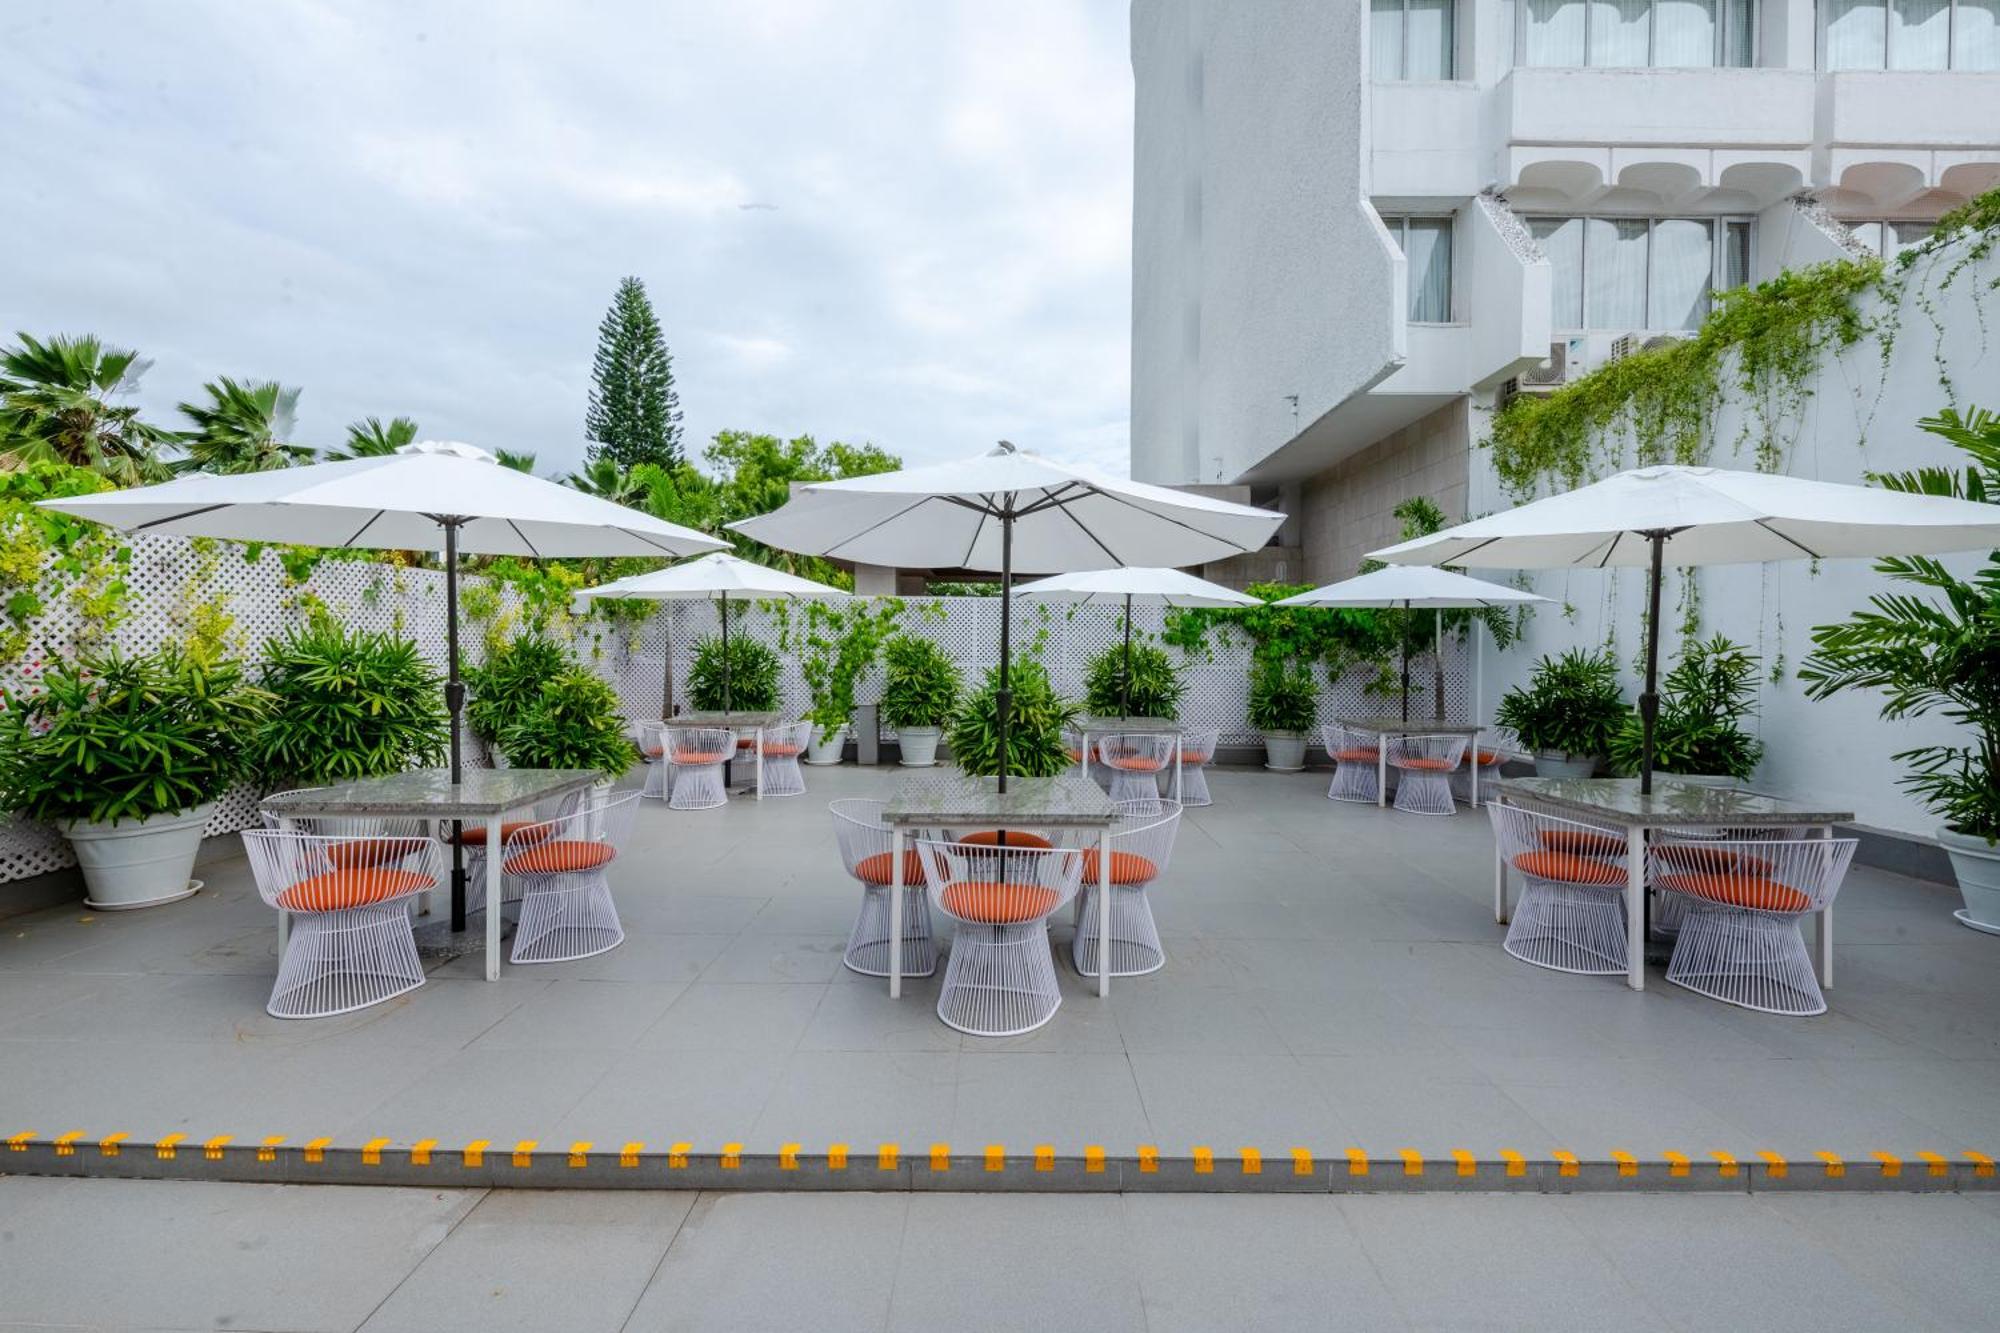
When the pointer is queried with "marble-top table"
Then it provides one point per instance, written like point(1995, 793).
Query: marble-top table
point(1091, 725)
point(754, 721)
point(955, 802)
point(1673, 803)
point(485, 795)
point(1382, 727)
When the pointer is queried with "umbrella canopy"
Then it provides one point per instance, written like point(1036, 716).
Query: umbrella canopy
point(1703, 516)
point(713, 578)
point(1004, 510)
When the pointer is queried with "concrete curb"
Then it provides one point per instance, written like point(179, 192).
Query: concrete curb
point(528, 1164)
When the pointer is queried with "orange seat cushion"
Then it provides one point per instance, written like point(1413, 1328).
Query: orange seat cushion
point(474, 835)
point(1015, 838)
point(1568, 868)
point(997, 904)
point(1075, 756)
point(1738, 889)
point(1357, 756)
point(1695, 857)
point(359, 887)
point(565, 857)
point(880, 868)
point(1132, 763)
point(653, 751)
point(1427, 765)
point(1488, 758)
point(781, 751)
point(699, 758)
point(364, 852)
point(1581, 842)
point(1190, 757)
point(1126, 868)
point(745, 742)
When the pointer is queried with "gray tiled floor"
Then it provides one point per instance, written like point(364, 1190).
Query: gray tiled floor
point(1334, 978)
point(130, 1254)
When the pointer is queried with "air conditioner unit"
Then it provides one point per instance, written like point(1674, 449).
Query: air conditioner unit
point(1624, 345)
point(1565, 363)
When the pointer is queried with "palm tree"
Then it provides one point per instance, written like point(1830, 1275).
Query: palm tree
point(55, 406)
point(242, 428)
point(369, 438)
point(519, 462)
point(605, 479)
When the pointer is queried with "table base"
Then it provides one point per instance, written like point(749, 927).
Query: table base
point(436, 939)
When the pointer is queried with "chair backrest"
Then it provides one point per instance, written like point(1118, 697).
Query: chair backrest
point(296, 823)
point(1346, 742)
point(1146, 828)
point(990, 885)
point(858, 828)
point(1783, 877)
point(1138, 751)
point(1533, 840)
point(1198, 747)
point(1442, 751)
point(787, 739)
point(310, 872)
point(1073, 744)
point(700, 745)
point(651, 735)
point(598, 816)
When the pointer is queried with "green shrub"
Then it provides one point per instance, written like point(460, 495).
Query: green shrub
point(1036, 724)
point(841, 643)
point(1156, 685)
point(510, 682)
point(573, 723)
point(107, 737)
point(1572, 705)
point(1703, 702)
point(1283, 698)
point(349, 704)
point(921, 685)
point(753, 676)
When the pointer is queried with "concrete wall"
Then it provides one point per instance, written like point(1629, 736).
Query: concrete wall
point(1861, 417)
point(1347, 507)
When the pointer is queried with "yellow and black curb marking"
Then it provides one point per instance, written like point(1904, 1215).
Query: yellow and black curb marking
point(634, 1164)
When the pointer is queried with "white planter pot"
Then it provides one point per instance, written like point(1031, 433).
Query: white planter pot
point(919, 745)
point(1556, 765)
point(1285, 751)
point(1976, 862)
point(138, 862)
point(826, 747)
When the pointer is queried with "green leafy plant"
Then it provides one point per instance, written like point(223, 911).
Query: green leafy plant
point(921, 685)
point(753, 675)
point(349, 704)
point(510, 682)
point(1342, 637)
point(1572, 705)
point(1934, 654)
point(107, 737)
point(1155, 688)
point(1704, 701)
point(840, 644)
point(573, 723)
point(1283, 698)
point(1036, 724)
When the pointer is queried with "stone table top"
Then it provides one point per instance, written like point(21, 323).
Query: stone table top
point(430, 791)
point(1396, 726)
point(954, 798)
point(716, 717)
point(1137, 726)
point(1674, 801)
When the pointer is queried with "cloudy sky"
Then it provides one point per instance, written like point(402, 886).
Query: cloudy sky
point(902, 221)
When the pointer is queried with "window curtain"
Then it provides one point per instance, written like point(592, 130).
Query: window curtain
point(1976, 35)
point(1614, 270)
point(1427, 248)
point(1904, 235)
point(1555, 32)
point(1855, 34)
point(1682, 269)
point(1620, 32)
point(1561, 239)
point(1735, 270)
point(1385, 39)
point(1919, 34)
point(1685, 36)
point(1739, 33)
point(1428, 40)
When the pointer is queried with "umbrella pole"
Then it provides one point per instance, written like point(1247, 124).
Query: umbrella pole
point(1125, 692)
point(1003, 703)
point(454, 699)
point(1403, 648)
point(1437, 661)
point(1649, 700)
point(726, 704)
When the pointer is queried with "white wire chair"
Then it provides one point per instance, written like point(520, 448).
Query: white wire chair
point(782, 747)
point(1487, 758)
point(697, 754)
point(1197, 753)
point(1077, 744)
point(472, 837)
point(1423, 767)
point(1571, 915)
point(1136, 762)
point(559, 869)
point(350, 943)
point(1142, 843)
point(867, 850)
point(652, 739)
point(1741, 901)
point(1357, 773)
point(1000, 980)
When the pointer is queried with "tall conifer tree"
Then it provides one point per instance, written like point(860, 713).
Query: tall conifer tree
point(634, 414)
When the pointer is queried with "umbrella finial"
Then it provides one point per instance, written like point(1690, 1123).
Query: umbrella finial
point(450, 449)
point(1005, 447)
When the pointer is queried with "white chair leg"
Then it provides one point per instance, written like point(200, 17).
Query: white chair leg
point(783, 776)
point(1135, 939)
point(1194, 785)
point(337, 962)
point(999, 981)
point(1751, 959)
point(868, 944)
point(1352, 781)
point(1569, 928)
point(1424, 792)
point(698, 787)
point(566, 917)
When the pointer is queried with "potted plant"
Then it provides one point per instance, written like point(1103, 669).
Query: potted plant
point(1569, 712)
point(346, 704)
point(1704, 701)
point(1153, 690)
point(753, 676)
point(1036, 723)
point(1284, 704)
point(1938, 654)
point(573, 722)
point(841, 643)
point(919, 692)
point(509, 682)
point(127, 757)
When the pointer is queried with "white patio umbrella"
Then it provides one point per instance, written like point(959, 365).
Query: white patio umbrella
point(1005, 510)
point(713, 578)
point(1419, 587)
point(399, 501)
point(1703, 516)
point(1134, 587)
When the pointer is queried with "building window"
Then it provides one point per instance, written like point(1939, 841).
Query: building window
point(1664, 34)
point(1889, 239)
point(1640, 273)
point(1426, 245)
point(1410, 39)
point(1912, 34)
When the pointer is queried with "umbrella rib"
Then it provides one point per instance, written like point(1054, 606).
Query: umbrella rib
point(1764, 524)
point(1200, 532)
point(524, 538)
point(664, 550)
point(1064, 511)
point(965, 562)
point(175, 518)
point(356, 536)
point(920, 503)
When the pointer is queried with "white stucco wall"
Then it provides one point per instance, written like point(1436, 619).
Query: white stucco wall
point(1862, 417)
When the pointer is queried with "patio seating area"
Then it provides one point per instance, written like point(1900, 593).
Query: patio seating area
point(1334, 977)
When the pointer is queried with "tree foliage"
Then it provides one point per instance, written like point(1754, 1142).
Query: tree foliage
point(370, 438)
point(56, 406)
point(245, 426)
point(634, 413)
